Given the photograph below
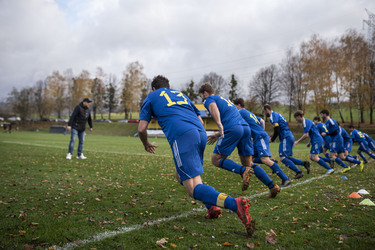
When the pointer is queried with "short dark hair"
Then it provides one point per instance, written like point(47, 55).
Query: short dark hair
point(267, 106)
point(160, 82)
point(298, 113)
point(325, 112)
point(351, 126)
point(206, 87)
point(239, 101)
point(317, 118)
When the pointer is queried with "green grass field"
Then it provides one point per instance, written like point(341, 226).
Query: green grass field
point(121, 197)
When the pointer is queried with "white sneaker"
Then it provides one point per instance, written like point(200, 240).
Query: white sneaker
point(69, 156)
point(81, 157)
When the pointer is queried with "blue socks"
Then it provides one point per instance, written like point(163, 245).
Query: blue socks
point(276, 168)
point(263, 176)
point(290, 165)
point(325, 159)
point(352, 160)
point(210, 197)
point(296, 161)
point(322, 163)
point(340, 162)
point(363, 157)
point(230, 165)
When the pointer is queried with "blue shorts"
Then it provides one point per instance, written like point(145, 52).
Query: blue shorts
point(327, 142)
point(337, 145)
point(286, 146)
point(348, 146)
point(237, 136)
point(316, 147)
point(188, 152)
point(371, 144)
point(363, 146)
point(261, 146)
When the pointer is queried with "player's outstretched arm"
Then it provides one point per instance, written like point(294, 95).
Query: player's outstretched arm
point(142, 133)
point(215, 113)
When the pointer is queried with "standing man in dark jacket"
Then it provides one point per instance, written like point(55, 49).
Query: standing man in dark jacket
point(77, 125)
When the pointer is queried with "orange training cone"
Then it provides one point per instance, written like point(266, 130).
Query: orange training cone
point(354, 195)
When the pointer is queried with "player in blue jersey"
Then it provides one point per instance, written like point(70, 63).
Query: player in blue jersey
point(348, 143)
point(281, 129)
point(233, 132)
point(327, 140)
point(260, 141)
point(316, 140)
point(336, 148)
point(182, 125)
point(370, 141)
point(360, 137)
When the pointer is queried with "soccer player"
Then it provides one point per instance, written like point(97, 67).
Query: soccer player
point(182, 125)
point(281, 128)
point(348, 142)
point(370, 141)
point(260, 141)
point(363, 144)
point(327, 140)
point(233, 132)
point(336, 148)
point(316, 140)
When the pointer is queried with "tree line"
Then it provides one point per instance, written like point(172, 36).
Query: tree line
point(321, 73)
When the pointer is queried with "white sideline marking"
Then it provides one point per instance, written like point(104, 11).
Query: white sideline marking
point(102, 236)
point(89, 150)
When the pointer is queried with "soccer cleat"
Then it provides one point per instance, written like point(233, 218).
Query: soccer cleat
point(286, 183)
point(330, 171)
point(332, 164)
point(306, 164)
point(362, 165)
point(298, 175)
point(81, 157)
point(69, 156)
point(346, 170)
point(244, 215)
point(246, 178)
point(214, 213)
point(274, 191)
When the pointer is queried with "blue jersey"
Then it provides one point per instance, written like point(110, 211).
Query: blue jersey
point(278, 119)
point(358, 136)
point(345, 135)
point(323, 129)
point(309, 127)
point(368, 138)
point(254, 123)
point(229, 114)
point(175, 113)
point(332, 127)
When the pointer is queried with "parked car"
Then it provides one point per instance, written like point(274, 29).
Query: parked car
point(103, 120)
point(122, 121)
point(14, 118)
point(133, 121)
point(47, 120)
point(31, 119)
point(62, 120)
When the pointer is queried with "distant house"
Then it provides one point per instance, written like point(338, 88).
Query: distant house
point(209, 123)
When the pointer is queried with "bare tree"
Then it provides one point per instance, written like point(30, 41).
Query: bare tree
point(41, 100)
point(57, 92)
point(265, 85)
point(218, 83)
point(21, 101)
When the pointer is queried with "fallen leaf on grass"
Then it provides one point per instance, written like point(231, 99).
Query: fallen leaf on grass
point(271, 237)
point(161, 242)
point(173, 245)
point(250, 245)
point(275, 207)
point(227, 244)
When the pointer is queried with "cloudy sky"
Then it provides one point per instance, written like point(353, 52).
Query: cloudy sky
point(181, 39)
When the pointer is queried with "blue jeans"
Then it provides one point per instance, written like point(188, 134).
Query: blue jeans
point(73, 136)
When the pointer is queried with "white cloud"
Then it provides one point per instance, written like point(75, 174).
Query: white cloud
point(180, 39)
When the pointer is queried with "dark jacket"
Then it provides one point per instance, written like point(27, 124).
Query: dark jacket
point(79, 117)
